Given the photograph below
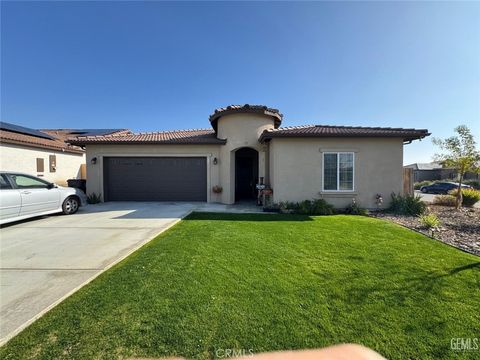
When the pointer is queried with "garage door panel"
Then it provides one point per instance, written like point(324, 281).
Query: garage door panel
point(155, 179)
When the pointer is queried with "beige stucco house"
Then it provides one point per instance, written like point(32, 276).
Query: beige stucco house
point(41, 153)
point(246, 146)
point(45, 153)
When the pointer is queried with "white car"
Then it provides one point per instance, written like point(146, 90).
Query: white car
point(23, 196)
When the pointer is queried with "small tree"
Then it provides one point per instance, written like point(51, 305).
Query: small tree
point(459, 153)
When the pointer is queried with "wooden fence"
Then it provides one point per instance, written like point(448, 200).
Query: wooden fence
point(408, 181)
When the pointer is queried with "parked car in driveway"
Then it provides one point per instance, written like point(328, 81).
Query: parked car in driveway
point(442, 188)
point(23, 196)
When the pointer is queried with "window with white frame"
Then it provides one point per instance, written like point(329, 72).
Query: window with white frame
point(338, 171)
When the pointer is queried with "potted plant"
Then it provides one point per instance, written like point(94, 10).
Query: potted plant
point(217, 189)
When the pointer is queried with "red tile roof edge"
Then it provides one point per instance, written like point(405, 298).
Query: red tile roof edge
point(207, 136)
point(184, 137)
point(10, 137)
point(343, 131)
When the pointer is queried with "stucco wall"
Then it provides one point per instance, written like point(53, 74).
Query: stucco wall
point(240, 130)
point(292, 166)
point(24, 159)
point(296, 169)
point(95, 171)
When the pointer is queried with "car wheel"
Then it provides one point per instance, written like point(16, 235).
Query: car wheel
point(423, 190)
point(70, 205)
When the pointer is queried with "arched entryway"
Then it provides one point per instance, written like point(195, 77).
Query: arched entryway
point(246, 174)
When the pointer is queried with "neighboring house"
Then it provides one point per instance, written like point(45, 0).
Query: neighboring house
point(245, 146)
point(43, 153)
point(430, 171)
point(435, 171)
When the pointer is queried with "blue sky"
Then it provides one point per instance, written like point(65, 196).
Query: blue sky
point(158, 66)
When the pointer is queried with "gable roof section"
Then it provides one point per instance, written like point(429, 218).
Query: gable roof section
point(342, 131)
point(425, 166)
point(185, 137)
point(19, 135)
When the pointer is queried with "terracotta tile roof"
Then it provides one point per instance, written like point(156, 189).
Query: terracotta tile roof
point(69, 133)
point(193, 136)
point(247, 108)
point(10, 137)
point(343, 131)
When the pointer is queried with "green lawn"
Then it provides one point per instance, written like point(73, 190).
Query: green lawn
point(269, 282)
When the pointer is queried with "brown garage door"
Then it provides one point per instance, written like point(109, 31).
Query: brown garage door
point(155, 178)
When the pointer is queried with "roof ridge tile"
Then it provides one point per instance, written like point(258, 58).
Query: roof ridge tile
point(188, 136)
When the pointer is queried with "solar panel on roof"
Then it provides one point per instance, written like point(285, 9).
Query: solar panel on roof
point(24, 130)
point(93, 132)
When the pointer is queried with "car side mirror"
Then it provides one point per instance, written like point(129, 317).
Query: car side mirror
point(50, 186)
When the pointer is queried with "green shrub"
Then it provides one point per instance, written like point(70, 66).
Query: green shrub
point(288, 206)
point(470, 196)
point(407, 205)
point(473, 183)
point(418, 185)
point(321, 207)
point(93, 198)
point(445, 200)
point(430, 221)
point(272, 208)
point(308, 207)
point(354, 209)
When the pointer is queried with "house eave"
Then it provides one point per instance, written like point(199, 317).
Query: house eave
point(41, 146)
point(267, 136)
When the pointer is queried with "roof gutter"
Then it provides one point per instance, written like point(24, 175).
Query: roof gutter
point(267, 136)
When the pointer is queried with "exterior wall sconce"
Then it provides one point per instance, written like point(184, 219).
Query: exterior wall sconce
point(215, 161)
point(93, 161)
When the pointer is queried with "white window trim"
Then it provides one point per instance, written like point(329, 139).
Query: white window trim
point(338, 171)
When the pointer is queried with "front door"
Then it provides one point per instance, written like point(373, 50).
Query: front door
point(246, 174)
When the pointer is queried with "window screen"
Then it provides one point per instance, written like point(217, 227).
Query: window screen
point(330, 172)
point(345, 164)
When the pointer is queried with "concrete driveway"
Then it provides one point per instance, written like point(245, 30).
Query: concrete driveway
point(45, 260)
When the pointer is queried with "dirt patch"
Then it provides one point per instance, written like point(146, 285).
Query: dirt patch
point(459, 228)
